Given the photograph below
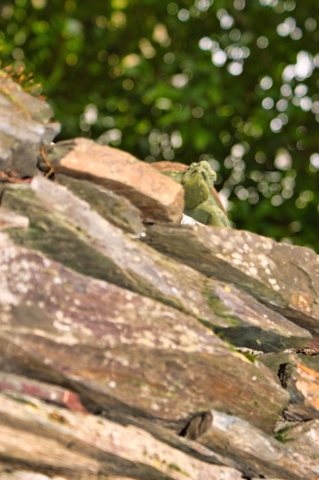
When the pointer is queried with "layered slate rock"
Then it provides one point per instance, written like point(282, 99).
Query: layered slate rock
point(261, 454)
point(159, 198)
point(100, 448)
point(130, 340)
point(252, 324)
point(126, 354)
point(285, 278)
point(24, 127)
point(299, 375)
point(66, 229)
point(303, 437)
point(274, 360)
point(302, 383)
point(114, 208)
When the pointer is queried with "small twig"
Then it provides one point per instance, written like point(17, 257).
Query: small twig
point(47, 162)
point(10, 179)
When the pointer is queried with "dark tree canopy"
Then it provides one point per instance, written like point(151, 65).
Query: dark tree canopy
point(233, 82)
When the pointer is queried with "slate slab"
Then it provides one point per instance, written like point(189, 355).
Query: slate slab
point(260, 453)
point(90, 447)
point(303, 437)
point(284, 277)
point(114, 208)
point(158, 197)
point(10, 219)
point(24, 127)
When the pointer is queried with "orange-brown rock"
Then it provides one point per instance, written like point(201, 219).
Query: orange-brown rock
point(159, 198)
point(302, 383)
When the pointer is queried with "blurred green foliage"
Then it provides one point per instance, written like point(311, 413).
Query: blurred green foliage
point(233, 82)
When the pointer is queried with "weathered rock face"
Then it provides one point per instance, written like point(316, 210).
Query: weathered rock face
point(262, 455)
point(283, 277)
point(118, 210)
point(99, 447)
point(24, 127)
point(116, 345)
point(120, 342)
point(58, 217)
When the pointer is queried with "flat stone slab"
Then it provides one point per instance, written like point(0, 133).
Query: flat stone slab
point(158, 197)
point(67, 230)
point(251, 323)
point(284, 277)
point(90, 447)
point(114, 208)
point(260, 453)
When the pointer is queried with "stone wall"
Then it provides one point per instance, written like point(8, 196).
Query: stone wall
point(134, 346)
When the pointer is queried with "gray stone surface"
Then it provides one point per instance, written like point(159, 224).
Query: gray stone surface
point(261, 454)
point(24, 128)
point(114, 208)
point(284, 277)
